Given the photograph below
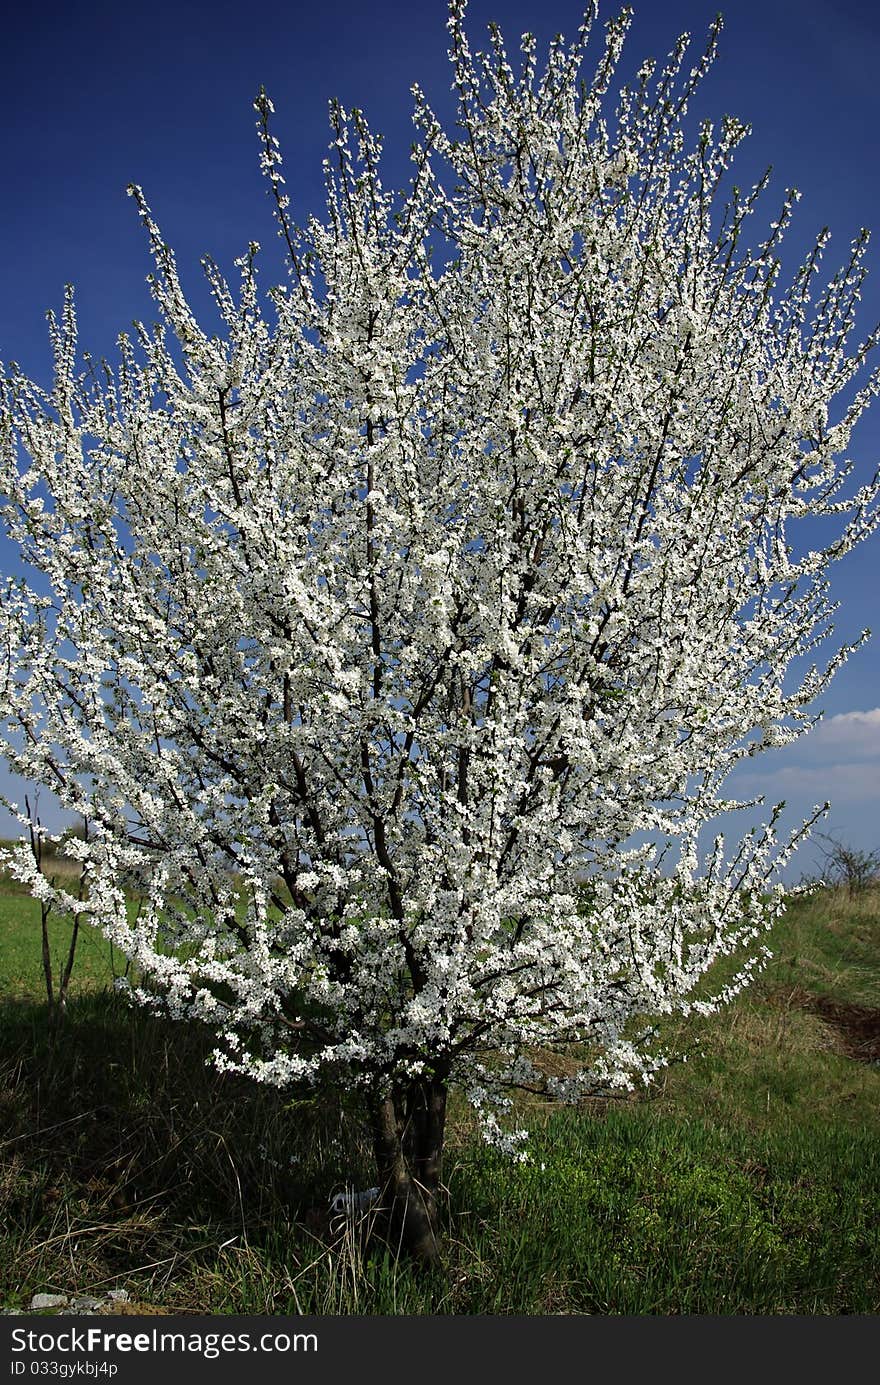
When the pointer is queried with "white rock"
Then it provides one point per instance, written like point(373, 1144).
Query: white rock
point(354, 1201)
point(48, 1301)
point(84, 1303)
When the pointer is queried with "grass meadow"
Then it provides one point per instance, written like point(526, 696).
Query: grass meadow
point(746, 1181)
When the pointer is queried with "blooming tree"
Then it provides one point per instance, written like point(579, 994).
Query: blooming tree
point(396, 643)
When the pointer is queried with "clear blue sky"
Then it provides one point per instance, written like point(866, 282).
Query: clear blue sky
point(96, 96)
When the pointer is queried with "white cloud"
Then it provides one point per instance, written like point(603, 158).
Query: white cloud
point(855, 733)
point(837, 761)
point(843, 782)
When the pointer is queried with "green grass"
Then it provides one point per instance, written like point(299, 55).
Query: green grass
point(21, 967)
point(830, 942)
point(746, 1181)
point(772, 1061)
point(639, 1214)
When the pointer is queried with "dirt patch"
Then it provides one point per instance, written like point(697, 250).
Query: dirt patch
point(856, 1027)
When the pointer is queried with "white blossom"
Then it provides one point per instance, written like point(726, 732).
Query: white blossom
point(369, 635)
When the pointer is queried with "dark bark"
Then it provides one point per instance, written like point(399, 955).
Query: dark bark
point(408, 1125)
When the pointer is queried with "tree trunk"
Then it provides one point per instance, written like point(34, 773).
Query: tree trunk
point(408, 1125)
